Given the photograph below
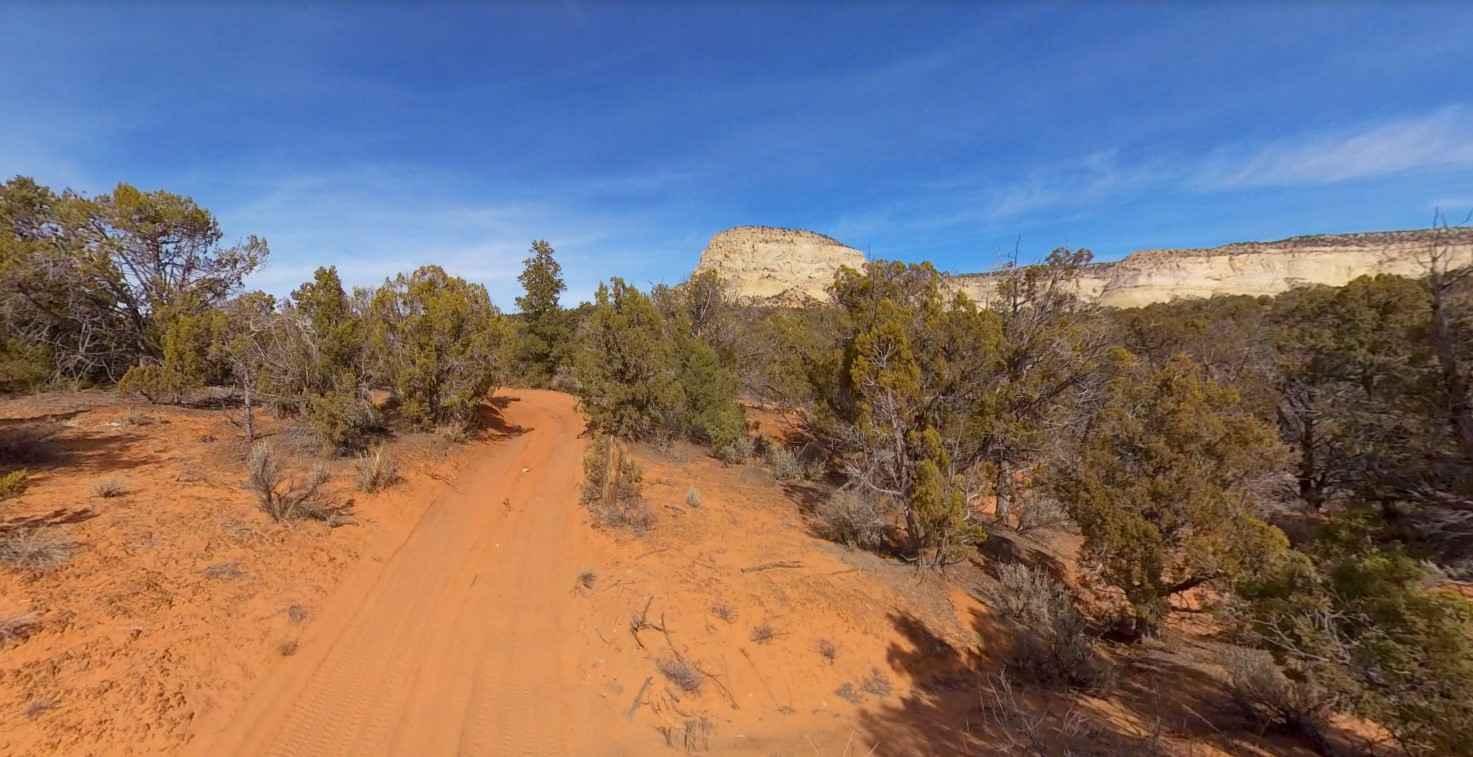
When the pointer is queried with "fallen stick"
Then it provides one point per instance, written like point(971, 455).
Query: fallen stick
point(771, 565)
point(633, 708)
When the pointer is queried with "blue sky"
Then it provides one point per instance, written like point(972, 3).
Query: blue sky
point(377, 138)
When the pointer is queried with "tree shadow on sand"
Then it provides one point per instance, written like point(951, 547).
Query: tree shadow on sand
point(963, 703)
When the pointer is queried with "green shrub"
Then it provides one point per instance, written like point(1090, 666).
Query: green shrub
point(343, 419)
point(1358, 620)
point(156, 383)
point(436, 341)
point(13, 483)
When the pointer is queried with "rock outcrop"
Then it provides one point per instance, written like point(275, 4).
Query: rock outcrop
point(778, 266)
point(787, 266)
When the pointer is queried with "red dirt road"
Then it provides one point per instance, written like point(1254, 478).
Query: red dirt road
point(461, 643)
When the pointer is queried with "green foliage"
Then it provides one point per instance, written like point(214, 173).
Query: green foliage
point(98, 280)
point(643, 375)
point(1161, 484)
point(156, 383)
point(626, 367)
point(901, 400)
point(1357, 618)
point(13, 483)
point(938, 514)
point(546, 333)
point(435, 340)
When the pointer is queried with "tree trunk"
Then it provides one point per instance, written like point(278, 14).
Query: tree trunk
point(1003, 489)
point(250, 419)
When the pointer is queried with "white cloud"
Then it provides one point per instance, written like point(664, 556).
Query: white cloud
point(1442, 139)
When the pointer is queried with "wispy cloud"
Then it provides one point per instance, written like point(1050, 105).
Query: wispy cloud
point(1441, 139)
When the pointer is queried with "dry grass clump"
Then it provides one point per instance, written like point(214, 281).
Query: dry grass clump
point(681, 673)
point(297, 614)
point(693, 497)
point(853, 519)
point(287, 648)
point(34, 549)
point(785, 465)
point(848, 693)
point(13, 483)
point(1041, 513)
point(287, 498)
point(876, 683)
point(377, 470)
point(828, 650)
point(587, 579)
point(763, 633)
point(724, 611)
point(1271, 699)
point(1052, 642)
point(612, 488)
point(109, 488)
point(18, 626)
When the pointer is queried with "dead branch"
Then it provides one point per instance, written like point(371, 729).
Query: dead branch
point(633, 708)
point(772, 565)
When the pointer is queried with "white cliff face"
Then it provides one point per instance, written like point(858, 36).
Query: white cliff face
point(1254, 268)
point(787, 266)
point(780, 266)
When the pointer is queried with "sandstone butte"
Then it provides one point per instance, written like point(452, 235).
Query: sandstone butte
point(770, 265)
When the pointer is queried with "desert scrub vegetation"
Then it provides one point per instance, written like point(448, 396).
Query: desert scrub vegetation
point(109, 488)
point(35, 549)
point(682, 674)
point(12, 484)
point(644, 372)
point(178, 320)
point(612, 487)
point(854, 519)
point(376, 469)
point(785, 465)
point(285, 496)
point(1051, 640)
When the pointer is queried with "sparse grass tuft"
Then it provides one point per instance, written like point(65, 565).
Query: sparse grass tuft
point(828, 650)
point(587, 579)
point(109, 488)
point(736, 451)
point(876, 683)
point(724, 611)
point(287, 648)
point(681, 673)
point(377, 470)
point(34, 549)
point(848, 693)
point(18, 626)
point(13, 483)
point(297, 614)
point(693, 497)
point(763, 633)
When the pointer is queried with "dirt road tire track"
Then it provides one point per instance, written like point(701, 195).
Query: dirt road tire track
point(461, 643)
